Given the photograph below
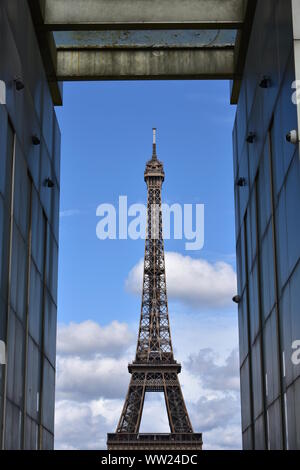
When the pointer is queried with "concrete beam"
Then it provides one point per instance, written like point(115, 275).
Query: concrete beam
point(241, 49)
point(47, 49)
point(92, 15)
point(143, 64)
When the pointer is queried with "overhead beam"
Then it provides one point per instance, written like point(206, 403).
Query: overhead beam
point(145, 64)
point(241, 49)
point(72, 15)
point(47, 49)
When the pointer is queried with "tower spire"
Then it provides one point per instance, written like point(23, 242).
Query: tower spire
point(154, 155)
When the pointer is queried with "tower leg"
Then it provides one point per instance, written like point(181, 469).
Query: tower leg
point(177, 413)
point(133, 407)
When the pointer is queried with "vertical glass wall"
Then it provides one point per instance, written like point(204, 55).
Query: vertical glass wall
point(268, 234)
point(29, 219)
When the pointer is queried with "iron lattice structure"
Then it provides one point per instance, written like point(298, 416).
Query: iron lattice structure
point(154, 368)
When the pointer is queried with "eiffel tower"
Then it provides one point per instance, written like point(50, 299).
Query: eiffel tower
point(154, 368)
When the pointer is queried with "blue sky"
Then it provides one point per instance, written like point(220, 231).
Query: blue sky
point(106, 141)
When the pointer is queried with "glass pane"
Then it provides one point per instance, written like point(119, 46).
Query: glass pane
point(149, 38)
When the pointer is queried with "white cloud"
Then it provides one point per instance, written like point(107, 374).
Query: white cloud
point(208, 414)
point(212, 375)
point(82, 425)
point(89, 337)
point(92, 381)
point(228, 437)
point(91, 378)
point(217, 411)
point(195, 282)
point(154, 417)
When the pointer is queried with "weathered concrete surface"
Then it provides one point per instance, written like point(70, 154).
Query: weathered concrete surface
point(107, 64)
point(85, 60)
point(143, 14)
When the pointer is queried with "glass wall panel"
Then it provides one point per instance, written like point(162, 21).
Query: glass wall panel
point(243, 190)
point(287, 335)
point(275, 427)
point(276, 144)
point(33, 380)
point(239, 266)
point(31, 434)
point(8, 166)
point(257, 379)
point(271, 358)
point(281, 241)
point(50, 329)
point(15, 355)
point(243, 327)
point(267, 273)
point(243, 273)
point(35, 304)
point(38, 232)
point(245, 391)
point(18, 288)
point(295, 312)
point(21, 193)
point(52, 264)
point(291, 418)
point(3, 248)
point(48, 440)
point(254, 302)
point(253, 228)
point(264, 191)
point(292, 187)
point(259, 427)
point(3, 150)
point(247, 439)
point(48, 396)
point(13, 426)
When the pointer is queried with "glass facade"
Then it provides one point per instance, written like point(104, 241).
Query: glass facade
point(29, 212)
point(268, 233)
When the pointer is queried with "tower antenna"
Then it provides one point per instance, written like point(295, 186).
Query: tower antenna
point(154, 143)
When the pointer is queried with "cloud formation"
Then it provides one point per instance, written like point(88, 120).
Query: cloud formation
point(91, 378)
point(92, 360)
point(92, 381)
point(213, 376)
point(84, 425)
point(89, 337)
point(215, 413)
point(195, 282)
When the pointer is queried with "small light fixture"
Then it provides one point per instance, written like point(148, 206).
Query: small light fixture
point(251, 138)
point(2, 92)
point(49, 183)
point(265, 82)
point(292, 137)
point(19, 84)
point(236, 299)
point(241, 182)
point(2, 353)
point(35, 140)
